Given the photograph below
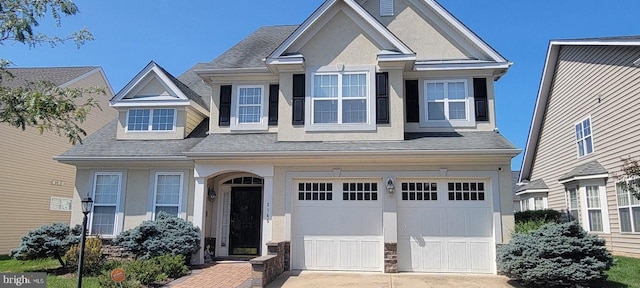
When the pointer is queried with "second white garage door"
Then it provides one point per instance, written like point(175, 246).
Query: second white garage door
point(337, 225)
point(445, 226)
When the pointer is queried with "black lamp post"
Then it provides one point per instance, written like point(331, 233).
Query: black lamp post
point(87, 204)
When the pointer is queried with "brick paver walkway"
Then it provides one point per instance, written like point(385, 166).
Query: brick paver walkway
point(221, 275)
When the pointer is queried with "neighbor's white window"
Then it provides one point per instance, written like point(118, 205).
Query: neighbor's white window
point(168, 192)
point(446, 100)
point(572, 204)
point(151, 119)
point(250, 104)
point(584, 138)
point(386, 7)
point(106, 194)
point(628, 209)
point(60, 204)
point(594, 209)
point(340, 98)
point(538, 203)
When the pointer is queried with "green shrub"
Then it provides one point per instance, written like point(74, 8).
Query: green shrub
point(171, 265)
point(528, 226)
point(556, 255)
point(166, 235)
point(145, 271)
point(47, 241)
point(93, 258)
point(548, 216)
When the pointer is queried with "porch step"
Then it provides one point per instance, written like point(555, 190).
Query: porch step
point(243, 258)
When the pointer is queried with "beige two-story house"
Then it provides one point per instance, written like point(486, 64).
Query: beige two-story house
point(364, 137)
point(35, 189)
point(584, 124)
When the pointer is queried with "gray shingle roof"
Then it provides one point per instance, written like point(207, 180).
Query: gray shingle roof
point(186, 90)
point(589, 168)
point(103, 143)
point(608, 38)
point(195, 83)
point(538, 184)
point(258, 143)
point(57, 75)
point(249, 52)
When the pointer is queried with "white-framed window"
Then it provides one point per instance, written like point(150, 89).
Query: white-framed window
point(250, 101)
point(386, 8)
point(106, 196)
point(154, 120)
point(584, 137)
point(341, 100)
point(168, 192)
point(249, 107)
point(628, 209)
point(538, 203)
point(594, 209)
point(572, 204)
point(447, 103)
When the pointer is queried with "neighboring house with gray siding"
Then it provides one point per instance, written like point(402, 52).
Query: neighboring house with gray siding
point(585, 121)
point(364, 137)
point(35, 189)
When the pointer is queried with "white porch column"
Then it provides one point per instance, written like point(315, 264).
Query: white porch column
point(267, 210)
point(199, 216)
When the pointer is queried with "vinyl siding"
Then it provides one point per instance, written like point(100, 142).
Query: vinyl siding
point(601, 82)
point(27, 171)
point(193, 119)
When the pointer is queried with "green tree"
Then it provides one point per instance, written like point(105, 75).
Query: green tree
point(47, 241)
point(42, 105)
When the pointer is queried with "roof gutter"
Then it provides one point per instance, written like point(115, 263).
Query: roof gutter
point(352, 154)
point(76, 159)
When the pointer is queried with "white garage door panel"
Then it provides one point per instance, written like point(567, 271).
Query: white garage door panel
point(445, 235)
point(338, 234)
point(355, 253)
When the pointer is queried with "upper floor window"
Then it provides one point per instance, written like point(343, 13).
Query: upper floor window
point(447, 103)
point(151, 119)
point(341, 100)
point(584, 138)
point(250, 104)
point(106, 193)
point(628, 208)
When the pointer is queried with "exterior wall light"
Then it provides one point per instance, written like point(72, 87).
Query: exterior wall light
point(211, 194)
point(390, 186)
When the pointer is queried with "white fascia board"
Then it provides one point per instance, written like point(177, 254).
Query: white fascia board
point(210, 72)
point(355, 154)
point(461, 66)
point(83, 159)
point(395, 57)
point(595, 42)
point(285, 60)
point(532, 191)
point(322, 10)
point(156, 103)
point(88, 74)
point(151, 67)
point(538, 112)
point(464, 30)
point(586, 177)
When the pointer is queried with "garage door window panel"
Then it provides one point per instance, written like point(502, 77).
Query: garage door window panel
point(315, 191)
point(465, 191)
point(419, 191)
point(359, 191)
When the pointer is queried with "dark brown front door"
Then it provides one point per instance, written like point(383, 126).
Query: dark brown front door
point(246, 211)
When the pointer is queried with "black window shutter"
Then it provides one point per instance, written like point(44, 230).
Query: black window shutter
point(382, 98)
point(412, 101)
point(225, 106)
point(480, 95)
point(298, 99)
point(274, 91)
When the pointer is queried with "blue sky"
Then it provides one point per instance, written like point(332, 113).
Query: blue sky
point(178, 34)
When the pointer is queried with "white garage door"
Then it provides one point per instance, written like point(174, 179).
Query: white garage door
point(445, 226)
point(337, 225)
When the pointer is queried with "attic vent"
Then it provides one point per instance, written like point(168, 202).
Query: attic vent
point(386, 7)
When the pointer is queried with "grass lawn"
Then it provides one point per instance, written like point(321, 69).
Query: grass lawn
point(56, 281)
point(626, 273)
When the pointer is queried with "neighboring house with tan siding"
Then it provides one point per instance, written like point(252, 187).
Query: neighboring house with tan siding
point(36, 189)
point(585, 121)
point(365, 138)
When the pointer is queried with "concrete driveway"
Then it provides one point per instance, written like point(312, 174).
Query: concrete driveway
point(293, 279)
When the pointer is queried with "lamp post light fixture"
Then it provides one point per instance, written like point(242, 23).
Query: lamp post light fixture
point(87, 204)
